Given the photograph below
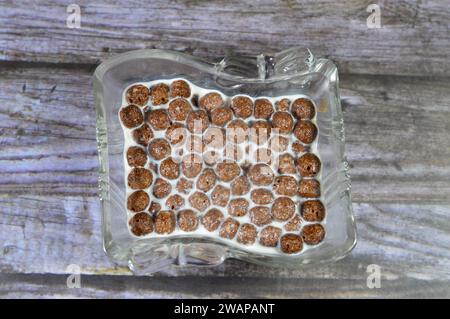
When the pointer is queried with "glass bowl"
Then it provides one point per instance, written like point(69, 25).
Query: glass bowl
point(290, 72)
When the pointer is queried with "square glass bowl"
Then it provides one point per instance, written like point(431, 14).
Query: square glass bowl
point(290, 72)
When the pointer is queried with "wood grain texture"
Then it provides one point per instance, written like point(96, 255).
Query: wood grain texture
point(413, 40)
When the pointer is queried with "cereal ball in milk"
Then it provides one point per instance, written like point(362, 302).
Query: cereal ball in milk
point(308, 165)
point(211, 219)
point(259, 132)
point(260, 215)
point(294, 224)
point(187, 220)
point(227, 171)
point(161, 188)
point(282, 105)
point(206, 180)
point(169, 168)
point(180, 88)
point(247, 234)
point(220, 116)
point(212, 157)
point(238, 207)
point(269, 236)
point(291, 243)
point(158, 119)
point(220, 195)
point(285, 185)
point(298, 147)
point(138, 201)
point(309, 188)
point(313, 234)
point(283, 208)
point(242, 106)
point(191, 165)
point(143, 135)
point(229, 228)
point(237, 131)
point(159, 94)
point(140, 178)
point(211, 101)
point(263, 108)
point(159, 148)
point(214, 137)
point(303, 109)
point(184, 186)
point(305, 131)
point(137, 94)
point(154, 207)
point(165, 222)
point(199, 201)
point(141, 224)
point(261, 196)
point(240, 186)
point(176, 134)
point(286, 164)
point(179, 109)
point(283, 122)
point(197, 121)
point(313, 211)
point(278, 143)
point(136, 156)
point(131, 116)
point(194, 143)
point(175, 202)
point(261, 174)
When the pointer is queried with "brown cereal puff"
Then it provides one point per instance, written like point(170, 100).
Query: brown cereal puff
point(138, 201)
point(220, 116)
point(180, 88)
point(159, 119)
point(308, 165)
point(247, 234)
point(285, 185)
point(199, 201)
point(212, 219)
point(260, 215)
point(263, 155)
point(137, 94)
point(206, 180)
point(240, 186)
point(263, 109)
point(214, 137)
point(211, 101)
point(179, 109)
point(291, 243)
point(220, 195)
point(175, 202)
point(159, 148)
point(194, 143)
point(283, 208)
point(313, 211)
point(141, 224)
point(282, 105)
point(227, 171)
point(165, 222)
point(233, 153)
point(143, 135)
point(282, 121)
point(197, 121)
point(269, 236)
point(303, 109)
point(131, 116)
point(184, 186)
point(229, 228)
point(136, 156)
point(154, 207)
point(161, 188)
point(237, 131)
point(238, 207)
point(309, 188)
point(242, 106)
point(159, 94)
point(187, 220)
point(191, 165)
point(212, 157)
point(294, 224)
point(169, 168)
point(176, 134)
point(278, 143)
point(260, 132)
point(313, 234)
point(286, 164)
point(298, 147)
point(305, 131)
point(261, 174)
point(140, 178)
point(261, 196)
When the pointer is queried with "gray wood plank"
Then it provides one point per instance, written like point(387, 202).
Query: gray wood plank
point(413, 40)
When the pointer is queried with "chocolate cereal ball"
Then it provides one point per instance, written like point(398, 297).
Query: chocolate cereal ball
point(197, 121)
point(206, 180)
point(154, 207)
point(138, 201)
point(269, 236)
point(214, 137)
point(180, 88)
point(283, 122)
point(242, 106)
point(131, 116)
point(227, 171)
point(305, 131)
point(140, 178)
point(169, 168)
point(161, 188)
point(175, 202)
point(313, 211)
point(165, 222)
point(303, 109)
point(184, 186)
point(282, 105)
point(141, 224)
point(212, 157)
point(212, 219)
point(285, 185)
point(260, 132)
point(283, 208)
point(286, 164)
point(229, 228)
point(211, 101)
point(137, 94)
point(263, 109)
point(176, 134)
point(291, 243)
point(261, 174)
point(298, 147)
point(187, 220)
point(220, 195)
point(238, 207)
point(136, 156)
point(143, 135)
point(159, 119)
point(247, 234)
point(220, 116)
point(179, 109)
point(308, 165)
point(159, 94)
point(261, 196)
point(260, 215)
point(313, 234)
point(278, 143)
point(240, 186)
point(191, 165)
point(237, 131)
point(199, 201)
point(159, 148)
point(309, 188)
point(294, 224)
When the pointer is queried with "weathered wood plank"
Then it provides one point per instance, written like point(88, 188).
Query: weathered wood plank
point(413, 40)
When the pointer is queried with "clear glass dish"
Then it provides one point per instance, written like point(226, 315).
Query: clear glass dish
point(290, 72)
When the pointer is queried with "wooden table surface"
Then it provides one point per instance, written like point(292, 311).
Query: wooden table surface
point(395, 88)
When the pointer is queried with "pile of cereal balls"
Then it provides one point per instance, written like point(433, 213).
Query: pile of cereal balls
point(241, 168)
